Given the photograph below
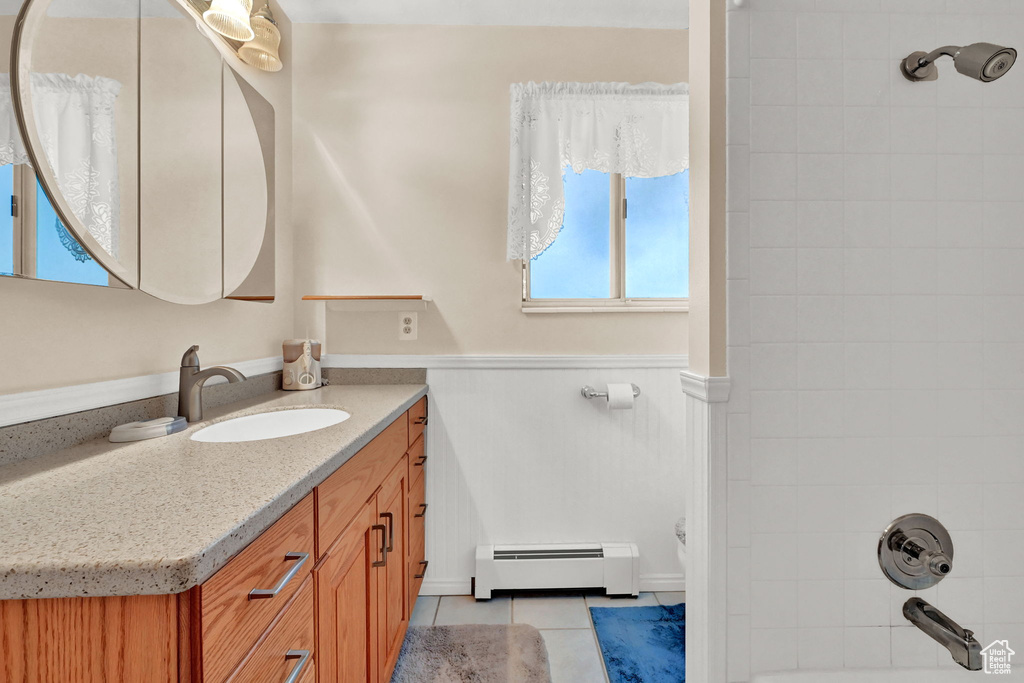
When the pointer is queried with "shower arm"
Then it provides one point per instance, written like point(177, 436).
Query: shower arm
point(947, 50)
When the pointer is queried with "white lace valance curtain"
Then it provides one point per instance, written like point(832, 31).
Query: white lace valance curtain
point(76, 123)
point(640, 131)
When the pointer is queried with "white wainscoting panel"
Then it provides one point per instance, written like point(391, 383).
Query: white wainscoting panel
point(518, 456)
point(706, 605)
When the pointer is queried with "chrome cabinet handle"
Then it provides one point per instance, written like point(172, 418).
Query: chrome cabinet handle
point(391, 530)
point(421, 420)
point(421, 461)
point(258, 593)
point(383, 545)
point(423, 513)
point(303, 657)
point(425, 563)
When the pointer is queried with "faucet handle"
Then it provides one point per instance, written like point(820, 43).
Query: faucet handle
point(191, 357)
point(968, 635)
point(915, 552)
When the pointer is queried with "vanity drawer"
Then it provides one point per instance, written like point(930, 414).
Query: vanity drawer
point(417, 419)
point(342, 495)
point(241, 600)
point(417, 459)
point(291, 634)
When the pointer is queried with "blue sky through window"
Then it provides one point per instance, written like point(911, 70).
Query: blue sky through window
point(657, 237)
point(577, 265)
point(53, 260)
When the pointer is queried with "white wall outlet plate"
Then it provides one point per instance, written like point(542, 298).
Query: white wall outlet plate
point(407, 327)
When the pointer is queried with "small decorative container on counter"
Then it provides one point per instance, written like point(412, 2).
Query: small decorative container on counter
point(301, 364)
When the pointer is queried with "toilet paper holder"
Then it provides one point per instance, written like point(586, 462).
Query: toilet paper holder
point(590, 392)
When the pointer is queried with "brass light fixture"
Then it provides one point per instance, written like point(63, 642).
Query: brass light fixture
point(262, 51)
point(230, 18)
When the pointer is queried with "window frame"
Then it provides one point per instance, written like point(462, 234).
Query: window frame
point(617, 302)
point(23, 220)
point(24, 223)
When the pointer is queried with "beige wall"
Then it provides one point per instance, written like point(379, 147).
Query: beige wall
point(707, 189)
point(54, 334)
point(401, 173)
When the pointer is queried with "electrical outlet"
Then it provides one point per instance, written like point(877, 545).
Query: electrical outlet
point(407, 327)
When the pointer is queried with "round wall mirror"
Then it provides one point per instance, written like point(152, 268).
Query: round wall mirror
point(154, 155)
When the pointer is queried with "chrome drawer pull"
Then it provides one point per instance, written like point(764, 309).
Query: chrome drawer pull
point(421, 420)
point(425, 564)
point(383, 545)
point(391, 530)
point(303, 657)
point(420, 462)
point(257, 593)
point(423, 513)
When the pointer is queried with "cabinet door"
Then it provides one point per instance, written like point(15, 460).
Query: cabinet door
point(346, 602)
point(392, 587)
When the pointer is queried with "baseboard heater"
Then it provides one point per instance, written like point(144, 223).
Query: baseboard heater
point(612, 566)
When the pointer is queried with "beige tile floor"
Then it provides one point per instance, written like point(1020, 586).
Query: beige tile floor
point(563, 621)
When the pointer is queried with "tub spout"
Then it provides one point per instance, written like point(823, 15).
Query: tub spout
point(959, 641)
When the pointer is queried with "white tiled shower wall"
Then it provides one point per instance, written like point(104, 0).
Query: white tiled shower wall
point(876, 327)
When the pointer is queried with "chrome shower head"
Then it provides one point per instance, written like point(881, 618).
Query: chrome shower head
point(982, 61)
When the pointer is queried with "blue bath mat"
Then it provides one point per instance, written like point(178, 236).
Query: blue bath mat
point(642, 644)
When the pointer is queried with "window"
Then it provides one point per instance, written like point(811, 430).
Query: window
point(624, 243)
point(33, 243)
point(598, 202)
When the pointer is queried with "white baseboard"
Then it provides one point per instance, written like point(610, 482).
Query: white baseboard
point(336, 360)
point(653, 583)
point(649, 583)
point(37, 405)
point(446, 587)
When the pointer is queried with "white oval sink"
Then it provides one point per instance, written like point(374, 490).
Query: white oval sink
point(271, 425)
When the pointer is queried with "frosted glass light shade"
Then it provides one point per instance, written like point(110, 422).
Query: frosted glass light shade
point(262, 51)
point(230, 18)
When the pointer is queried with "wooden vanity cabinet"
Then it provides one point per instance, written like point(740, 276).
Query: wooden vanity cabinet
point(417, 533)
point(362, 599)
point(346, 602)
point(240, 601)
point(323, 595)
point(393, 605)
point(287, 647)
point(90, 640)
point(417, 417)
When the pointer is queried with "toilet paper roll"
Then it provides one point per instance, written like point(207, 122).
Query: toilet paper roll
point(620, 396)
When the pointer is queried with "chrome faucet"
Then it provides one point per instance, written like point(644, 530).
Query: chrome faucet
point(191, 380)
point(959, 641)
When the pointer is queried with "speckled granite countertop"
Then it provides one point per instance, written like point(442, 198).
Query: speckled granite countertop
point(163, 515)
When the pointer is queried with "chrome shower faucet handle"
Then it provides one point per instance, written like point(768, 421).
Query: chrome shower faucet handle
point(915, 552)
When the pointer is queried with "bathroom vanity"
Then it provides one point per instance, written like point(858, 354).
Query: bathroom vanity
point(293, 559)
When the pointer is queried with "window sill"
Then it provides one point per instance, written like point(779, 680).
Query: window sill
point(532, 307)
